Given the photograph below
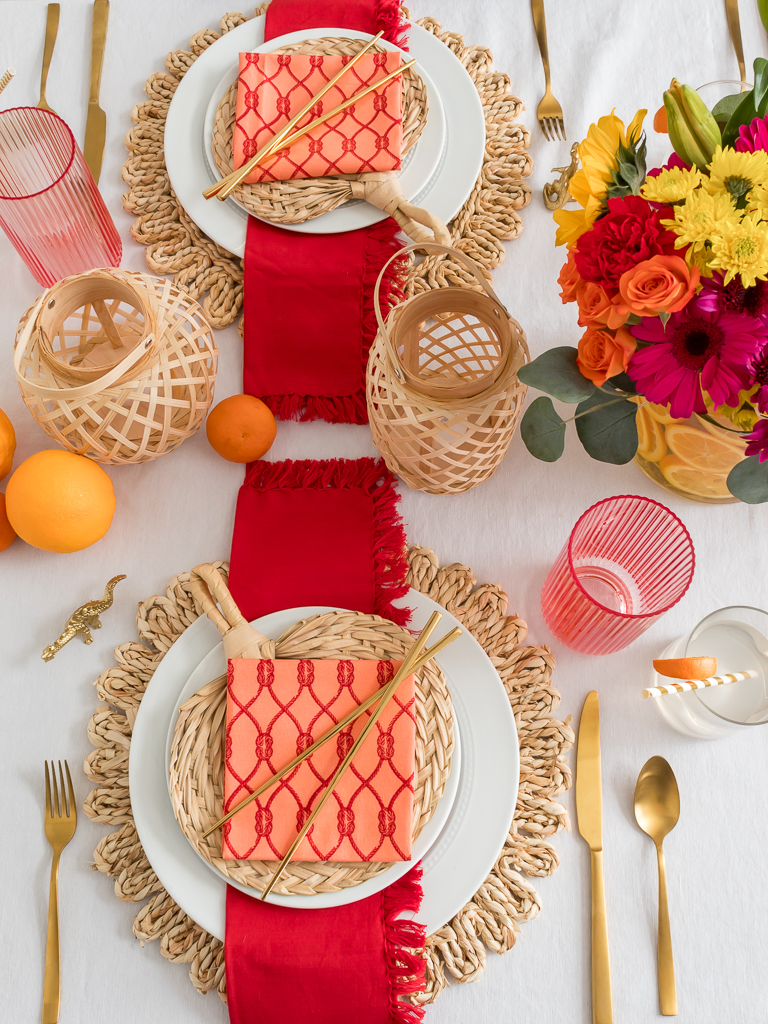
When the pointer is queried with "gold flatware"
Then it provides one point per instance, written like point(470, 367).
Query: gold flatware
point(657, 809)
point(7, 76)
point(241, 173)
point(549, 113)
point(60, 824)
point(589, 813)
point(404, 671)
point(315, 746)
point(289, 141)
point(96, 124)
point(734, 27)
point(51, 31)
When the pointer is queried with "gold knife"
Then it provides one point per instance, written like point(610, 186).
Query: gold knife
point(51, 30)
point(589, 812)
point(96, 125)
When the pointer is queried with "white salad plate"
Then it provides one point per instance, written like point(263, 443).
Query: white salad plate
point(456, 864)
point(214, 665)
point(459, 156)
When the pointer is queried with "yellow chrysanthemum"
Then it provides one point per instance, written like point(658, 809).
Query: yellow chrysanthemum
point(701, 217)
point(757, 201)
point(742, 249)
point(671, 185)
point(590, 183)
point(736, 173)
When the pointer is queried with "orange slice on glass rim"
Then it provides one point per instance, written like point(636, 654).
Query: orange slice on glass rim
point(651, 445)
point(704, 483)
point(702, 449)
point(660, 413)
point(686, 668)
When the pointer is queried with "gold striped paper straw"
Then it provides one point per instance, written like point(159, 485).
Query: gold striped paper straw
point(6, 78)
point(698, 684)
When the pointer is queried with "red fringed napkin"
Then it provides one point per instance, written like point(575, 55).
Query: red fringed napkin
point(322, 533)
point(308, 299)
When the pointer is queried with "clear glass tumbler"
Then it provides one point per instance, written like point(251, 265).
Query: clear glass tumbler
point(627, 561)
point(50, 207)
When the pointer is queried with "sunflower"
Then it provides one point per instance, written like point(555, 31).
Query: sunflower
point(742, 249)
point(700, 218)
point(737, 173)
point(589, 185)
point(671, 185)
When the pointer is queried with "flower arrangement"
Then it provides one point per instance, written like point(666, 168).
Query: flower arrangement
point(668, 269)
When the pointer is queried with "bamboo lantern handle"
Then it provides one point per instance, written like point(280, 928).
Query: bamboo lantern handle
point(240, 638)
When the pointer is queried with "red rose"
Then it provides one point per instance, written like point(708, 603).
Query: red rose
point(629, 233)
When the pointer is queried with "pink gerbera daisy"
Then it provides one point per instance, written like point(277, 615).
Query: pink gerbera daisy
point(697, 349)
point(753, 136)
point(757, 441)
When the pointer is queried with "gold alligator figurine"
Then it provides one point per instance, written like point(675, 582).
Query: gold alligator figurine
point(556, 193)
point(83, 620)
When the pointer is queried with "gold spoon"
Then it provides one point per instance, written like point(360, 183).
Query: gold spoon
point(657, 809)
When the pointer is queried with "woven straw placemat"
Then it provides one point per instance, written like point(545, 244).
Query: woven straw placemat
point(506, 899)
point(213, 276)
point(197, 751)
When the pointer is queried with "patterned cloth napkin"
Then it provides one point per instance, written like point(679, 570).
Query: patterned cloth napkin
point(272, 87)
point(275, 710)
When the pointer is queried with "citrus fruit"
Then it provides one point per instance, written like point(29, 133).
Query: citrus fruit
point(686, 668)
point(660, 413)
point(650, 437)
point(685, 477)
point(59, 501)
point(702, 449)
point(7, 444)
point(731, 436)
point(241, 428)
point(7, 532)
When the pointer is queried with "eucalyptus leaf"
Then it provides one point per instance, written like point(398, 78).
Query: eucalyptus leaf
point(543, 430)
point(555, 373)
point(760, 69)
point(745, 113)
point(748, 481)
point(607, 429)
point(723, 109)
point(623, 382)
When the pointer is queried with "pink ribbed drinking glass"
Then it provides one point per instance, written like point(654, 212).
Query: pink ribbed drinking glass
point(628, 560)
point(50, 207)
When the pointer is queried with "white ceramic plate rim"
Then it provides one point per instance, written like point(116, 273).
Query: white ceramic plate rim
point(224, 222)
point(213, 665)
point(419, 166)
point(458, 863)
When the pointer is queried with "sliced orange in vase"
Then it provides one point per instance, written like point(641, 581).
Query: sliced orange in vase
point(686, 668)
point(703, 483)
point(651, 445)
point(701, 449)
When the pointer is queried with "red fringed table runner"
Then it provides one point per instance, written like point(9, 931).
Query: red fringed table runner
point(308, 299)
point(323, 533)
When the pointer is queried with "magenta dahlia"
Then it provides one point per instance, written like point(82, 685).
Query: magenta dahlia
point(735, 298)
point(757, 441)
point(753, 136)
point(760, 377)
point(697, 349)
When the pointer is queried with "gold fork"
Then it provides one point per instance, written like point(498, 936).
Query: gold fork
point(60, 824)
point(549, 113)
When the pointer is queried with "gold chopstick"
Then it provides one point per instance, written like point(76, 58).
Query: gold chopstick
point(237, 177)
point(342, 724)
point(286, 129)
point(404, 671)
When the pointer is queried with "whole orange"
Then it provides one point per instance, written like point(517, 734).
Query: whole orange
point(7, 445)
point(59, 501)
point(241, 428)
point(7, 532)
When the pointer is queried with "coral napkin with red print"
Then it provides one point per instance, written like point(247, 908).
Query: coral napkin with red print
point(308, 299)
point(322, 533)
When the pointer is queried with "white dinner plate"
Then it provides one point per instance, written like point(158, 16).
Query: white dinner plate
point(420, 164)
point(467, 848)
point(215, 664)
point(225, 223)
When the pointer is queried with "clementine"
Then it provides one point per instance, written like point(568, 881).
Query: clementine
point(7, 532)
point(58, 501)
point(7, 445)
point(241, 428)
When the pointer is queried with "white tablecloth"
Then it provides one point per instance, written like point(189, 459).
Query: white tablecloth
point(178, 511)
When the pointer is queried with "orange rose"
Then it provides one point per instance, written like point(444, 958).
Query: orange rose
point(603, 354)
point(662, 284)
point(594, 303)
point(569, 279)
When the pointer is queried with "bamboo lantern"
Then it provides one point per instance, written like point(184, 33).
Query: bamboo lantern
point(115, 365)
point(442, 390)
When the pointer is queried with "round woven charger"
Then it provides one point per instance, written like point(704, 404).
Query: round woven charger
point(301, 199)
point(197, 753)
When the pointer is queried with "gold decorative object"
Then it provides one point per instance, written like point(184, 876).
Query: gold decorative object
point(116, 365)
point(556, 192)
point(442, 389)
point(83, 620)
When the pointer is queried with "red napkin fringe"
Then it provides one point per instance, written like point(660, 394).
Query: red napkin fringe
point(390, 552)
point(389, 20)
point(404, 946)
